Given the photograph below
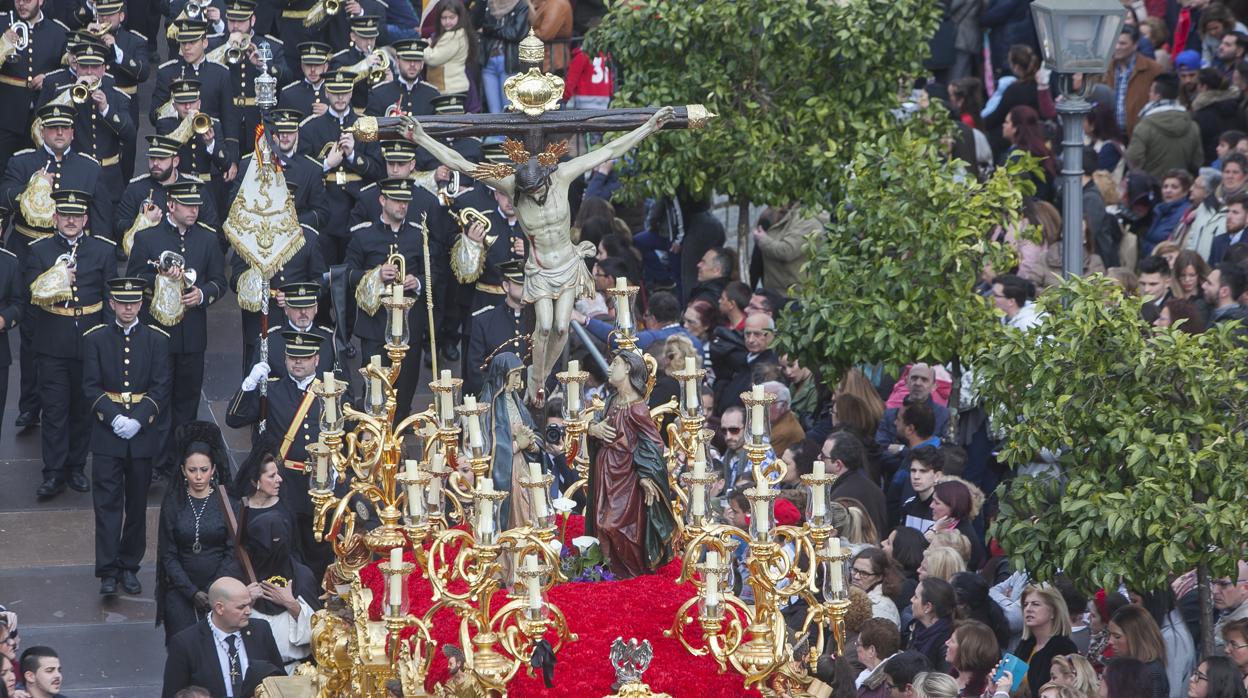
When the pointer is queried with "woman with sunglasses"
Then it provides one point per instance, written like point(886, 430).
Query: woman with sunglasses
point(874, 573)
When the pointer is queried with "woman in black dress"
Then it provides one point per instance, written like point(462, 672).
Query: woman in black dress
point(194, 544)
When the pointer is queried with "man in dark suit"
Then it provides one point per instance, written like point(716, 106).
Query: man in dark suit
point(407, 91)
point(759, 332)
point(307, 95)
point(215, 85)
point(126, 378)
point(22, 75)
point(224, 650)
point(845, 458)
point(206, 156)
point(1236, 220)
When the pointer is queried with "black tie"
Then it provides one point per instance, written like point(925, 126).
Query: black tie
point(236, 670)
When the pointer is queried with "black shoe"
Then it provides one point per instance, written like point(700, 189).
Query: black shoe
point(79, 482)
point(130, 583)
point(108, 586)
point(450, 352)
point(26, 420)
point(50, 488)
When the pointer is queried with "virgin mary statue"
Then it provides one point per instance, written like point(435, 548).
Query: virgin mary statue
point(630, 502)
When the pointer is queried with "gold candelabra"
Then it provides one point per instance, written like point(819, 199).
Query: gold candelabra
point(780, 563)
point(363, 469)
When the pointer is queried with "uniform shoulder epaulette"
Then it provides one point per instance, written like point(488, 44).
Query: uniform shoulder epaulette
point(8, 252)
point(158, 329)
point(118, 91)
point(274, 39)
point(102, 238)
point(58, 70)
point(312, 160)
point(138, 34)
point(310, 229)
point(274, 379)
point(287, 87)
point(90, 157)
point(46, 239)
point(205, 226)
point(139, 178)
point(191, 177)
point(340, 53)
point(483, 309)
point(366, 187)
point(62, 25)
point(306, 119)
point(327, 329)
point(275, 329)
point(24, 151)
point(166, 64)
point(245, 158)
point(365, 224)
point(84, 334)
point(384, 4)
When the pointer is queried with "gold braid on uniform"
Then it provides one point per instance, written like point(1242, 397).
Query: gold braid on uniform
point(524, 359)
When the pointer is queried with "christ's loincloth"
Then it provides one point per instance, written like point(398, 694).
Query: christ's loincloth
point(542, 282)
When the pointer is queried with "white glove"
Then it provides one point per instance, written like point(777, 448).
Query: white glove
point(258, 373)
point(125, 427)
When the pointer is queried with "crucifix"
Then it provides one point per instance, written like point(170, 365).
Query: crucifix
point(537, 183)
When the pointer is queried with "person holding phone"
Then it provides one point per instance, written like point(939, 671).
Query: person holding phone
point(1046, 632)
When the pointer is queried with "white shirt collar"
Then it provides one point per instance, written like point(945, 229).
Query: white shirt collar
point(127, 328)
point(303, 384)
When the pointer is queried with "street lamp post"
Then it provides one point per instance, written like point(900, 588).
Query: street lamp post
point(1076, 36)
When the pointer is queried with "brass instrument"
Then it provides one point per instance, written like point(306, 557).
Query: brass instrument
point(193, 124)
point(97, 28)
point(468, 216)
point(81, 91)
point(321, 11)
point(447, 193)
point(141, 222)
point(231, 52)
point(55, 285)
point(194, 10)
point(374, 73)
point(167, 305)
point(167, 111)
point(35, 201)
point(7, 48)
point(368, 292)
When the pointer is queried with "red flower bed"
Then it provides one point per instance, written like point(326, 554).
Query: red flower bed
point(597, 612)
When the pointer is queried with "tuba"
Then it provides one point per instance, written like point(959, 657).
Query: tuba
point(374, 73)
point(22, 30)
point(167, 305)
point(197, 123)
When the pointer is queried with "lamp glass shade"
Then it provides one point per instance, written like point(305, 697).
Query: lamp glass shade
point(1077, 36)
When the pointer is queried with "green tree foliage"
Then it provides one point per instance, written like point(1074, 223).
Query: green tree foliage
point(893, 278)
point(1150, 428)
point(795, 85)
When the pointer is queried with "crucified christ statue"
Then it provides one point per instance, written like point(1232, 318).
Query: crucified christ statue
point(555, 273)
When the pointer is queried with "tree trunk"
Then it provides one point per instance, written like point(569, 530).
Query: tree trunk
point(955, 398)
point(743, 238)
point(1206, 611)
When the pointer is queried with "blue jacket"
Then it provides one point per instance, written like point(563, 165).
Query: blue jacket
point(601, 330)
point(1166, 217)
point(1009, 22)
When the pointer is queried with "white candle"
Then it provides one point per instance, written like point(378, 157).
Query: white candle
point(574, 389)
point(434, 493)
point(834, 552)
point(445, 409)
point(818, 505)
point(532, 582)
point(330, 403)
point(699, 499)
point(756, 412)
point(374, 382)
point(712, 579)
point(691, 385)
point(485, 518)
point(474, 427)
point(699, 463)
point(415, 497)
point(322, 469)
point(622, 317)
point(396, 580)
point(762, 516)
point(539, 497)
point(396, 313)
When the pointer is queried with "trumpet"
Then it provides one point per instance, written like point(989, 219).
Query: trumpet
point(236, 52)
point(81, 91)
point(365, 69)
point(468, 216)
point(333, 7)
point(198, 124)
point(170, 260)
point(194, 10)
point(97, 28)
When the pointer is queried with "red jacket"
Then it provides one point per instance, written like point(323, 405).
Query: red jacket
point(589, 77)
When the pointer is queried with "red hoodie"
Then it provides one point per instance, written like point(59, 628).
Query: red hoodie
point(589, 77)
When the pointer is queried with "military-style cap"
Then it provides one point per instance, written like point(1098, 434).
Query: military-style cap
point(109, 7)
point(56, 115)
point(303, 294)
point(301, 345)
point(286, 120)
point(89, 53)
point(184, 91)
point(314, 52)
point(126, 289)
point(339, 82)
point(188, 30)
point(398, 151)
point(512, 270)
point(494, 153)
point(453, 103)
point(411, 49)
point(162, 146)
point(186, 192)
point(396, 189)
point(366, 26)
point(239, 10)
point(71, 202)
